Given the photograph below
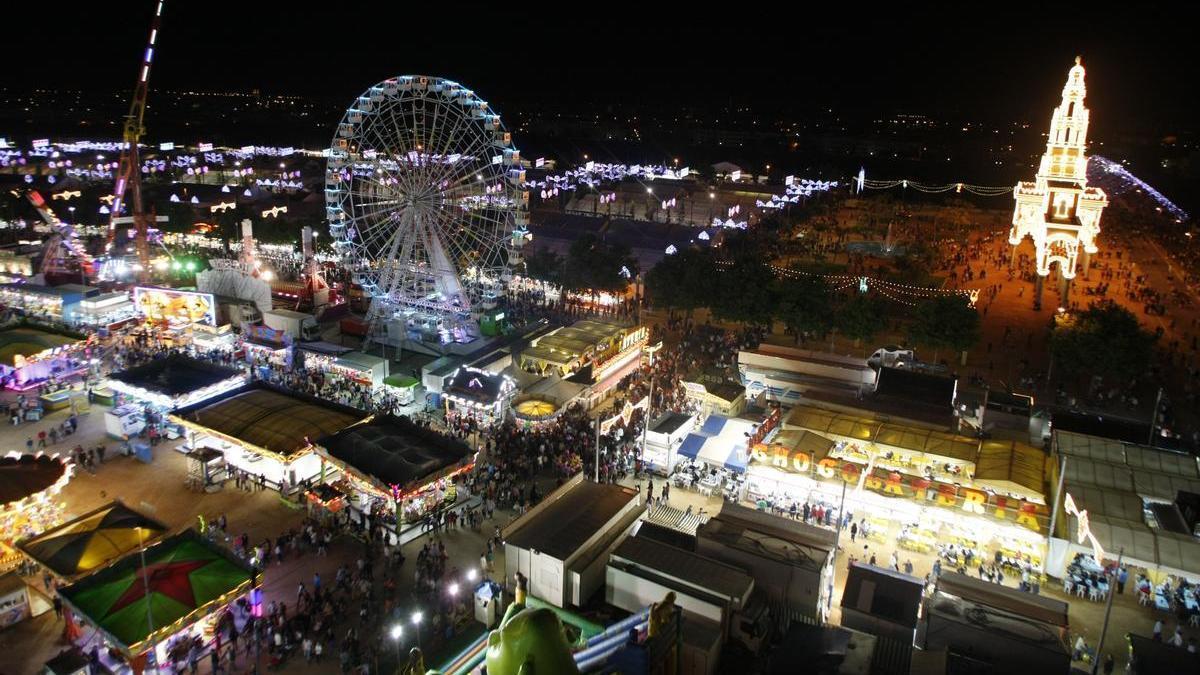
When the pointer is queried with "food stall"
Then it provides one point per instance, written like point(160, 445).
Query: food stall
point(713, 458)
point(803, 465)
point(362, 368)
point(390, 465)
point(265, 431)
point(266, 347)
point(124, 422)
point(105, 310)
point(402, 387)
point(15, 606)
point(30, 355)
point(206, 338)
point(479, 395)
point(319, 355)
point(663, 439)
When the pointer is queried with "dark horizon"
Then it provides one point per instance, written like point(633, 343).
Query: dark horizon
point(998, 65)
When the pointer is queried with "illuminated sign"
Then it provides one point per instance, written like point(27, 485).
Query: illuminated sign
point(205, 147)
point(1084, 530)
point(166, 146)
point(893, 484)
point(736, 176)
point(539, 162)
point(625, 414)
point(169, 304)
point(41, 142)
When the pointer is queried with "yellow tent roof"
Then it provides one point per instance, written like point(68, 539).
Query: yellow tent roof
point(1012, 466)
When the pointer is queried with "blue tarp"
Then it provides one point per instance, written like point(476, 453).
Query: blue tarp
point(691, 445)
point(713, 425)
point(734, 463)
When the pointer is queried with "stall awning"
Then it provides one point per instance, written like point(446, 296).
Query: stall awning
point(92, 540)
point(185, 578)
point(720, 441)
point(1012, 467)
point(691, 445)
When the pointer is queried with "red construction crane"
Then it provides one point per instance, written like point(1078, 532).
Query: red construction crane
point(129, 173)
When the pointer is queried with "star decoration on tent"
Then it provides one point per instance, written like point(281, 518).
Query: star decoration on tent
point(168, 578)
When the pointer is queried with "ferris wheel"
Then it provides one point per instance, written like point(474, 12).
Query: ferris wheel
point(423, 192)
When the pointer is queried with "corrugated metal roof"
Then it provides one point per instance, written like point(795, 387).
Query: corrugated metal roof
point(691, 568)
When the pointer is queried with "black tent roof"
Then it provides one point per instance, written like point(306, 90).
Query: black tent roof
point(175, 375)
point(395, 451)
point(916, 387)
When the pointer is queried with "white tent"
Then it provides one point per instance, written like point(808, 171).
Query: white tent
point(235, 284)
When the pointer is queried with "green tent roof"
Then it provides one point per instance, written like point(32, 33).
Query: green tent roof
point(186, 576)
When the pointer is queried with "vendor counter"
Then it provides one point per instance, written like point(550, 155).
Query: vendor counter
point(58, 400)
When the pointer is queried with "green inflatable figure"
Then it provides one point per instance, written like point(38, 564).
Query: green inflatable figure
point(529, 641)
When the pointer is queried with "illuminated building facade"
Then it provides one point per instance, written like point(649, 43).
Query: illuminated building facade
point(1058, 210)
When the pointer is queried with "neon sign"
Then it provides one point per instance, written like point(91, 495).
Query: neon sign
point(1083, 531)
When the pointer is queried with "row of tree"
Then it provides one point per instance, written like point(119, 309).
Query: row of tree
point(748, 291)
point(591, 265)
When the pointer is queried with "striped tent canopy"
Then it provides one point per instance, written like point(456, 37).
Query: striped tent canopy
point(92, 540)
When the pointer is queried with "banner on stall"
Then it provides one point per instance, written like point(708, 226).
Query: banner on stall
point(893, 484)
point(624, 415)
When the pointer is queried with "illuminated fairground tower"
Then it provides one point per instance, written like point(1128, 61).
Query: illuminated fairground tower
point(1058, 210)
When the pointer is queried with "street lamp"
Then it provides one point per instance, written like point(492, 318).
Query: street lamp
point(453, 589)
point(472, 574)
point(397, 632)
point(416, 619)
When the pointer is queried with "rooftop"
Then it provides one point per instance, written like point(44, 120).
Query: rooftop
point(689, 567)
point(27, 340)
point(269, 417)
point(395, 451)
point(569, 517)
point(888, 594)
point(185, 576)
point(770, 536)
point(175, 375)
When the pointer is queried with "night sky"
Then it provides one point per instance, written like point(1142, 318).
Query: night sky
point(1001, 64)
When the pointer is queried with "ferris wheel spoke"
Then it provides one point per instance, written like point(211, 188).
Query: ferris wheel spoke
point(422, 208)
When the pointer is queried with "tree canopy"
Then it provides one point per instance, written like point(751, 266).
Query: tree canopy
point(804, 304)
point(860, 317)
point(686, 280)
point(1104, 339)
point(945, 322)
point(745, 293)
point(593, 264)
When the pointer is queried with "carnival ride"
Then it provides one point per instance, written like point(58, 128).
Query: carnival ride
point(63, 246)
point(129, 172)
point(423, 193)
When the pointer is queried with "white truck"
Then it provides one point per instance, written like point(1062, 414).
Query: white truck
point(892, 356)
point(298, 325)
point(236, 312)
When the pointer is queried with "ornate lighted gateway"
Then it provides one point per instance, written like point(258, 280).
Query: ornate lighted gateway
point(1058, 210)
